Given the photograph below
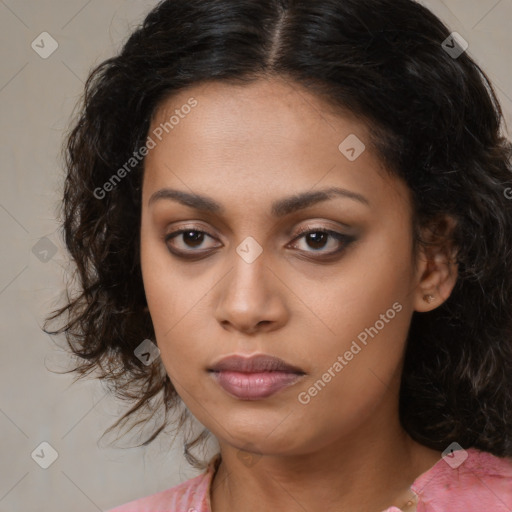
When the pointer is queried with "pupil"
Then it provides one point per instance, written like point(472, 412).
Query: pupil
point(316, 238)
point(194, 238)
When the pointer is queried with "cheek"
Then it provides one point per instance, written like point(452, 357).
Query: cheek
point(372, 284)
point(156, 286)
point(354, 375)
point(165, 281)
point(165, 304)
point(176, 298)
point(366, 314)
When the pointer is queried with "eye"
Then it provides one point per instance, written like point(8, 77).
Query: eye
point(190, 242)
point(319, 238)
point(188, 238)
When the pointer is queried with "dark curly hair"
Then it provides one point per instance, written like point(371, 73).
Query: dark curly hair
point(435, 122)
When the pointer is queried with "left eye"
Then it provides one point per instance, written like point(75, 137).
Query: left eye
point(317, 239)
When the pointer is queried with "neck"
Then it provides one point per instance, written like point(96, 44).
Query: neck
point(368, 471)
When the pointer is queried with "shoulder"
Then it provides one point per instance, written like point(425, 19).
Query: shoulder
point(469, 481)
point(192, 495)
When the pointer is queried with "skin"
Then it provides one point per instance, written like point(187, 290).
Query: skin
point(246, 147)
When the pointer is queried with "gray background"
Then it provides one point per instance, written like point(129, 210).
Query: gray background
point(37, 97)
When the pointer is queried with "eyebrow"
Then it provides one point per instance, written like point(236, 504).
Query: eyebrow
point(280, 208)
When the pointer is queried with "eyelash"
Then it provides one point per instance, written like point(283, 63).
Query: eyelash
point(345, 240)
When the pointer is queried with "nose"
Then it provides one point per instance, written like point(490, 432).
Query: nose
point(251, 298)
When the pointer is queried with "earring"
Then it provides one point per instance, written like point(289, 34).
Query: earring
point(428, 298)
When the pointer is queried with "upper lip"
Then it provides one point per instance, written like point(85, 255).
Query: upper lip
point(253, 364)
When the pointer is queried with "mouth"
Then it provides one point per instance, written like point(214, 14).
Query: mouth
point(256, 377)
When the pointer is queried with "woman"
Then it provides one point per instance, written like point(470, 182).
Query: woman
point(292, 217)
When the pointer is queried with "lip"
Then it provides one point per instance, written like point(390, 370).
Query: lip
point(254, 364)
point(256, 377)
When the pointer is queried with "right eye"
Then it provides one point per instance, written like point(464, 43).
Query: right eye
point(187, 241)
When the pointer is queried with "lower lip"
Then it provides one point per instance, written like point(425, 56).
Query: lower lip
point(255, 386)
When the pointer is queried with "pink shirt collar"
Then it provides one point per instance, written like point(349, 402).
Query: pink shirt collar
point(481, 483)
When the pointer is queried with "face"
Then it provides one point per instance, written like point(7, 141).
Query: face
point(234, 263)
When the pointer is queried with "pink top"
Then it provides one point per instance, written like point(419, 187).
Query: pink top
point(479, 483)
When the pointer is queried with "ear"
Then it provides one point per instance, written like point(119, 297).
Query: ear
point(437, 266)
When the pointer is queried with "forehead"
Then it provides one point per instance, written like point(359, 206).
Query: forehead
point(264, 136)
point(265, 110)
